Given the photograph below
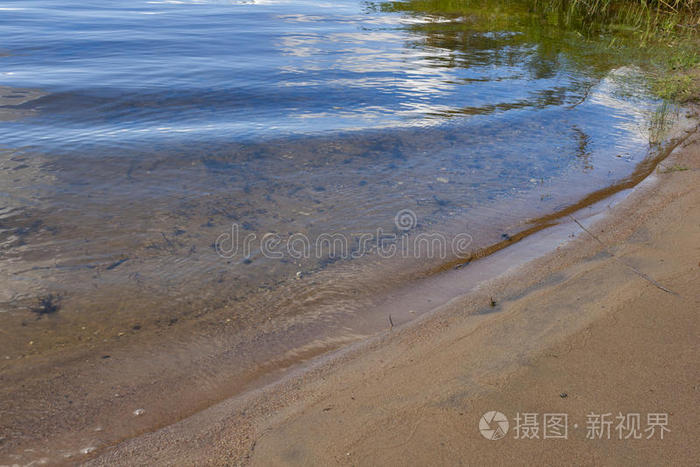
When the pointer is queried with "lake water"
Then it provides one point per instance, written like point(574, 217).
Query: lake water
point(139, 140)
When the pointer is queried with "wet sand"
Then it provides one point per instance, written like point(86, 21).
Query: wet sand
point(606, 323)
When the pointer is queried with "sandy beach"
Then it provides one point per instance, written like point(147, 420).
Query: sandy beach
point(363, 233)
point(602, 329)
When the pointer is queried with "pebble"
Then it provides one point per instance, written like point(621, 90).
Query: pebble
point(563, 395)
point(138, 412)
point(87, 450)
point(442, 180)
point(300, 274)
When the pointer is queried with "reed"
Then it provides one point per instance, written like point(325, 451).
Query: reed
point(661, 36)
point(651, 20)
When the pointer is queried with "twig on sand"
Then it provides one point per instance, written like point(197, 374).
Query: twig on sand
point(170, 244)
point(391, 323)
point(636, 271)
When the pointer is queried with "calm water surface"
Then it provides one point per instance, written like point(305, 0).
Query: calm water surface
point(133, 134)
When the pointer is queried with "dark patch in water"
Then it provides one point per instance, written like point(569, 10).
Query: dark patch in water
point(441, 202)
point(47, 305)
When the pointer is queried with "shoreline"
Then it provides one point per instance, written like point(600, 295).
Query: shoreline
point(87, 428)
point(231, 430)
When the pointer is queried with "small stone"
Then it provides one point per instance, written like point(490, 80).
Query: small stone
point(442, 180)
point(563, 395)
point(87, 450)
point(299, 274)
point(138, 412)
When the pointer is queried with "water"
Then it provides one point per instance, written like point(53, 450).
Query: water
point(135, 135)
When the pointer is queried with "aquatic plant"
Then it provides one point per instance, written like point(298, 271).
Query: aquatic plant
point(660, 36)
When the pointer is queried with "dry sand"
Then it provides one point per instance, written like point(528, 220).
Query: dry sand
point(610, 322)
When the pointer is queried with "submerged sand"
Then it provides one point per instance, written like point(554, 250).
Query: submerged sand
point(605, 324)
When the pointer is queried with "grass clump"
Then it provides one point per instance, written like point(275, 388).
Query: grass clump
point(674, 168)
point(659, 36)
point(678, 79)
point(667, 29)
point(676, 87)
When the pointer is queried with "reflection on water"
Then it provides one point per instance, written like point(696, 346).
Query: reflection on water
point(135, 133)
point(213, 70)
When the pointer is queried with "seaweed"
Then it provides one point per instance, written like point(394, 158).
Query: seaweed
point(47, 305)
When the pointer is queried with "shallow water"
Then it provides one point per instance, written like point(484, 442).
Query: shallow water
point(140, 137)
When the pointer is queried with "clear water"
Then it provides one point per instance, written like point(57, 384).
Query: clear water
point(134, 133)
point(130, 72)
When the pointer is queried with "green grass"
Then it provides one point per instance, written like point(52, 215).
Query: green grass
point(661, 36)
point(676, 87)
point(661, 122)
point(674, 168)
point(668, 29)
